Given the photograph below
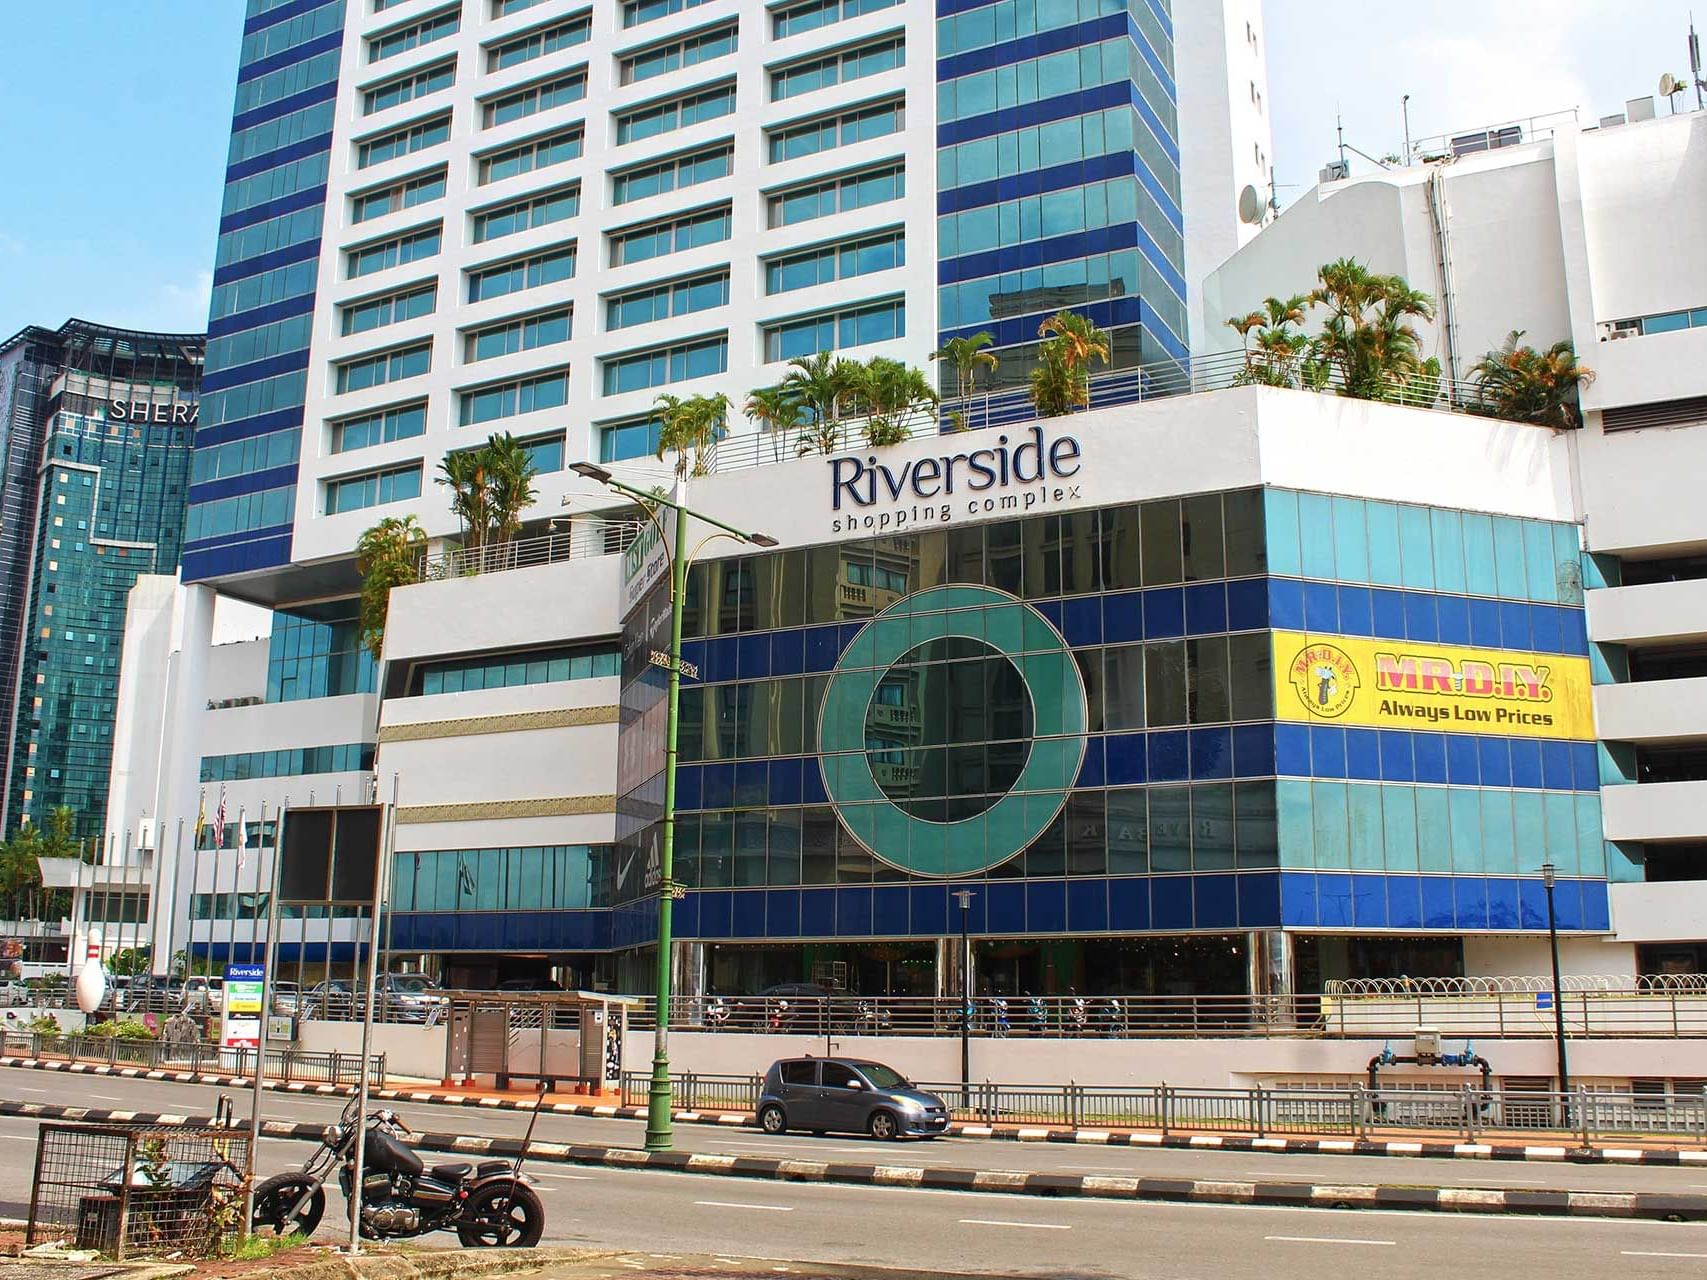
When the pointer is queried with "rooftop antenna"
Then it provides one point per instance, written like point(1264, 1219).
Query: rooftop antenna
point(1695, 63)
point(1405, 106)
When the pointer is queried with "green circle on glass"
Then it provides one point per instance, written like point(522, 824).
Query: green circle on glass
point(879, 717)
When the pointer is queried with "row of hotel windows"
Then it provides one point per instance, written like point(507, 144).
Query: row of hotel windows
point(633, 124)
point(788, 142)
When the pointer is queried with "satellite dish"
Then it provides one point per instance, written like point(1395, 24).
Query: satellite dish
point(1250, 206)
point(1669, 85)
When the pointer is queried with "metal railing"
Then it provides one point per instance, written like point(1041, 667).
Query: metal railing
point(1009, 406)
point(1672, 1012)
point(288, 1065)
point(1352, 1110)
point(1520, 984)
point(581, 537)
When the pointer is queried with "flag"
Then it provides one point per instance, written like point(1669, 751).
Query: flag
point(242, 839)
point(201, 819)
point(464, 877)
point(219, 820)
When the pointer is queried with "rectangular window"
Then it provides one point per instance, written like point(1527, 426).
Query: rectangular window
point(539, 42)
point(792, 19)
point(392, 308)
point(400, 195)
point(841, 129)
point(832, 331)
point(642, 369)
point(543, 95)
point(507, 399)
point(832, 262)
point(673, 173)
point(672, 298)
point(655, 239)
point(382, 254)
point(524, 333)
point(398, 40)
point(838, 68)
point(549, 267)
point(536, 667)
point(383, 367)
point(504, 8)
point(536, 211)
point(402, 142)
point(352, 493)
point(417, 84)
point(635, 12)
point(673, 55)
point(852, 191)
point(629, 438)
point(536, 153)
point(678, 113)
point(400, 423)
point(244, 457)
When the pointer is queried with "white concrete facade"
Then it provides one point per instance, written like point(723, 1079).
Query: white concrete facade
point(1585, 236)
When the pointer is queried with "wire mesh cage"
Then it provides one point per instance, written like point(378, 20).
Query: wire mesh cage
point(138, 1190)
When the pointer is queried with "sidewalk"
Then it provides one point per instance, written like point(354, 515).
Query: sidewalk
point(1492, 1145)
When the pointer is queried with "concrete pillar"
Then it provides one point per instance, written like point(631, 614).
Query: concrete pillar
point(1269, 972)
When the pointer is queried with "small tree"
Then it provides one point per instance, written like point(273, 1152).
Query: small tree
point(388, 555)
point(688, 427)
point(1274, 353)
point(1060, 381)
point(1522, 384)
point(1368, 335)
point(510, 471)
point(968, 355)
point(821, 384)
point(464, 474)
point(777, 410)
point(890, 394)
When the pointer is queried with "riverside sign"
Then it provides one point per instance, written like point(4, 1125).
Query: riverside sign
point(1019, 477)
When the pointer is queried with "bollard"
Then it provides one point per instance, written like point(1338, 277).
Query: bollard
point(1582, 1114)
point(337, 1067)
point(1164, 1097)
point(1360, 1111)
point(1257, 1100)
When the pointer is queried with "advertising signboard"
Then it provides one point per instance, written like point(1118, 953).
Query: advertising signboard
point(240, 1018)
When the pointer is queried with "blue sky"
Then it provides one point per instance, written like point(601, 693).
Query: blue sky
point(117, 114)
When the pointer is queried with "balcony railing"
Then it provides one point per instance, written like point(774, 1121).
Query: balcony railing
point(1011, 406)
point(578, 539)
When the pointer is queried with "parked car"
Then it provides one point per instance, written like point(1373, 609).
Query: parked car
point(847, 1095)
point(150, 993)
point(14, 992)
point(403, 997)
point(203, 994)
point(287, 998)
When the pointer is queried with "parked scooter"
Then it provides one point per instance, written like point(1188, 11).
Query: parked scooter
point(489, 1204)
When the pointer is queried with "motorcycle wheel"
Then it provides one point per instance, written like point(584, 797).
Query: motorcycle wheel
point(273, 1201)
point(502, 1216)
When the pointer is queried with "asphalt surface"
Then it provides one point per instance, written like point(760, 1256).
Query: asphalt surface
point(26, 1085)
point(925, 1233)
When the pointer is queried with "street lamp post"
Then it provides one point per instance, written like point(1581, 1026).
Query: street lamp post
point(1548, 876)
point(964, 898)
point(659, 1135)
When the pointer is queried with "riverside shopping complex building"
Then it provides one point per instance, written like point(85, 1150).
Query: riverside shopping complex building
point(1233, 693)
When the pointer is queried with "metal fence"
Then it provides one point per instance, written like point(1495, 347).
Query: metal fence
point(1351, 1111)
point(577, 537)
point(1654, 1011)
point(285, 1064)
point(128, 1190)
point(1007, 406)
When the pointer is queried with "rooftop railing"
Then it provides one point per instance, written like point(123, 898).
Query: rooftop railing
point(579, 538)
point(1011, 406)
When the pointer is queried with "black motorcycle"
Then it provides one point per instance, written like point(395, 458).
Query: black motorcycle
point(490, 1204)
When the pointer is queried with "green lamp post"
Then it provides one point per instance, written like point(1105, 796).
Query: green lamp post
point(659, 1134)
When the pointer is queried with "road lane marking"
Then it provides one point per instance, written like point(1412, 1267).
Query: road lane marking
point(1326, 1240)
point(1033, 1226)
point(728, 1204)
point(106, 1097)
point(567, 1177)
point(1650, 1253)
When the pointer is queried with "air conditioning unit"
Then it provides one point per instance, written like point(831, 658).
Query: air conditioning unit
point(1334, 171)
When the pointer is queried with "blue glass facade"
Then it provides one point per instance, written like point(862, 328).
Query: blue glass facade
point(263, 286)
point(1058, 176)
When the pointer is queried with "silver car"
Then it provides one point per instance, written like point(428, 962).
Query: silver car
point(847, 1095)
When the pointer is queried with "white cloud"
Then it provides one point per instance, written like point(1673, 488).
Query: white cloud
point(182, 308)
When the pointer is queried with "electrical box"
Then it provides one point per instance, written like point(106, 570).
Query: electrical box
point(1427, 1045)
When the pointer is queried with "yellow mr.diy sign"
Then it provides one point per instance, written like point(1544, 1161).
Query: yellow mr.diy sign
point(1395, 684)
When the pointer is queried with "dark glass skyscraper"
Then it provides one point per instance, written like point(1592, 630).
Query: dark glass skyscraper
point(98, 425)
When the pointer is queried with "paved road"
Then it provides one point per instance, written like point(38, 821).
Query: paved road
point(927, 1233)
point(958, 1153)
